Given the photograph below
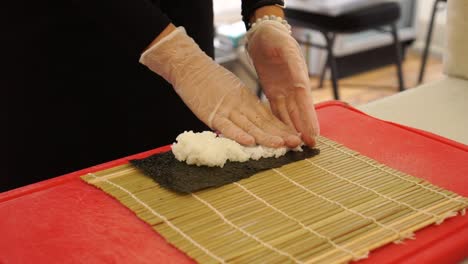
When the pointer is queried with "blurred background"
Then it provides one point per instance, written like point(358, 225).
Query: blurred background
point(365, 58)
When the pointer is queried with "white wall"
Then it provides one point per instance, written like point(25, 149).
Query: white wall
point(227, 11)
point(424, 10)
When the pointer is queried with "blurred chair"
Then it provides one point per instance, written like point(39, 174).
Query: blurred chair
point(435, 8)
point(376, 16)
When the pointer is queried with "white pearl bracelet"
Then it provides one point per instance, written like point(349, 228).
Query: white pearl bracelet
point(271, 18)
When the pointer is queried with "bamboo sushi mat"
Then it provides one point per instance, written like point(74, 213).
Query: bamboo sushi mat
point(332, 208)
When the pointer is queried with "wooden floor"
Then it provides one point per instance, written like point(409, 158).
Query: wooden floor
point(372, 85)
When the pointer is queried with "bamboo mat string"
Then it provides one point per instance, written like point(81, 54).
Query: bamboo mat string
point(169, 223)
point(329, 240)
point(265, 244)
point(382, 168)
point(112, 175)
point(397, 232)
point(439, 219)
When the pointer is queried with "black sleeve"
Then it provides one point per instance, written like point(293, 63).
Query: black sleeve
point(133, 24)
point(249, 7)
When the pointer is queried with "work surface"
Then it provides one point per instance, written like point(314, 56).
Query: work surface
point(438, 107)
point(66, 220)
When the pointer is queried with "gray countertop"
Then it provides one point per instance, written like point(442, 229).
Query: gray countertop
point(439, 107)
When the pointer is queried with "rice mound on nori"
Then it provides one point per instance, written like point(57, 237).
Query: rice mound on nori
point(180, 177)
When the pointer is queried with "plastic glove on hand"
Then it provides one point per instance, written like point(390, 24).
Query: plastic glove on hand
point(284, 76)
point(215, 95)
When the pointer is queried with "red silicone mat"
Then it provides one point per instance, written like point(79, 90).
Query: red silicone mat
point(64, 220)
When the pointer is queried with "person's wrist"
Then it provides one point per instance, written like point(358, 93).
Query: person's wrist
point(168, 30)
point(274, 10)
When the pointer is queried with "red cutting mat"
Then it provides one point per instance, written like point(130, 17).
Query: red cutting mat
point(64, 220)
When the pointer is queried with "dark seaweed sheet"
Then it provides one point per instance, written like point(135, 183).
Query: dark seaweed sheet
point(180, 177)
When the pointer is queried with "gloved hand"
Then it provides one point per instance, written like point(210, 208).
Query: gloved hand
point(284, 76)
point(215, 95)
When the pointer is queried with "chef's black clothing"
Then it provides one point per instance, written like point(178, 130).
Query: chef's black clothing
point(76, 95)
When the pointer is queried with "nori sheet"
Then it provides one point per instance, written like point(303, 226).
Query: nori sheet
point(180, 177)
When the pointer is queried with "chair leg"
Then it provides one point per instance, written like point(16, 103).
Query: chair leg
point(332, 63)
point(398, 55)
point(259, 90)
point(327, 63)
point(324, 70)
point(428, 43)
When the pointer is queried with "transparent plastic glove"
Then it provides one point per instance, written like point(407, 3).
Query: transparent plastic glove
point(215, 95)
point(284, 76)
